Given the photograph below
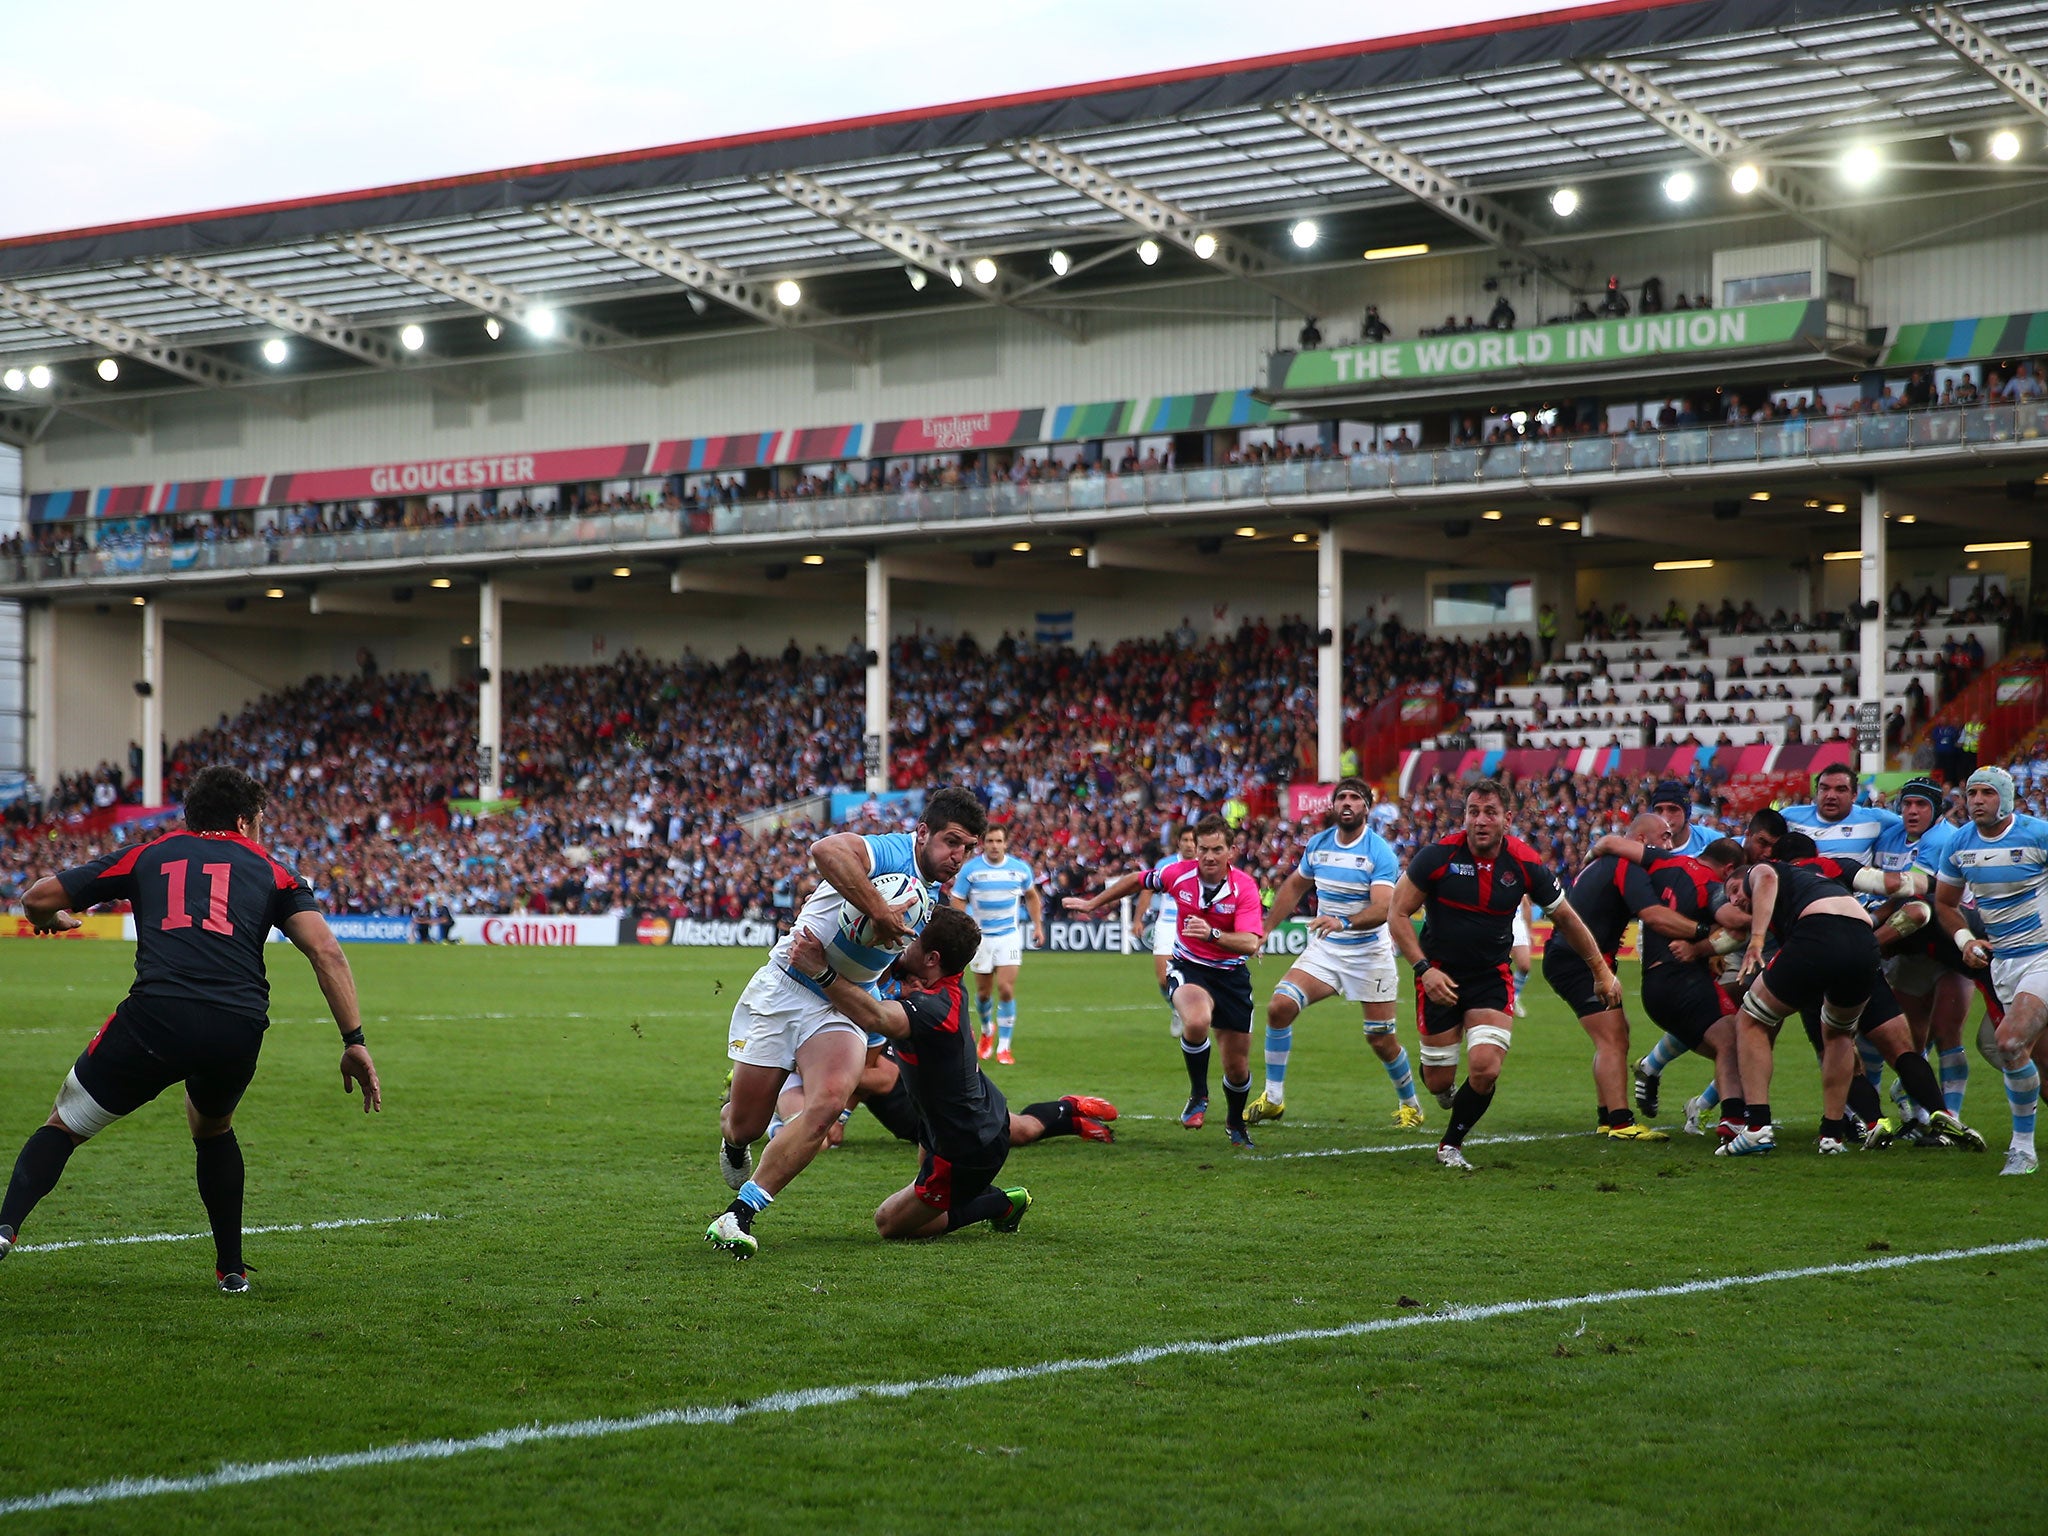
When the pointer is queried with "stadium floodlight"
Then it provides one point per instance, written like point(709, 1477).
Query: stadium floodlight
point(542, 322)
point(1564, 202)
point(789, 293)
point(1545, 522)
point(1838, 506)
point(1148, 252)
point(622, 570)
point(1491, 515)
point(441, 583)
point(1078, 551)
point(139, 602)
point(814, 559)
point(918, 278)
point(1247, 533)
point(958, 273)
point(275, 351)
point(2006, 546)
point(1759, 495)
point(1392, 252)
point(1304, 234)
point(1683, 565)
point(1060, 263)
point(412, 338)
point(1205, 245)
point(108, 369)
point(1301, 538)
point(1678, 186)
point(274, 592)
point(1861, 165)
point(984, 271)
point(1022, 546)
point(1908, 517)
point(491, 327)
point(39, 377)
point(1569, 527)
point(2005, 145)
point(14, 378)
point(1745, 179)
point(1843, 554)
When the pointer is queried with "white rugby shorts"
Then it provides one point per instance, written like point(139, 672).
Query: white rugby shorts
point(997, 951)
point(1521, 939)
point(775, 1016)
point(1164, 931)
point(2022, 973)
point(1358, 973)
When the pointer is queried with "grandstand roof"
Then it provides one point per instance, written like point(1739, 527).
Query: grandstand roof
point(1459, 136)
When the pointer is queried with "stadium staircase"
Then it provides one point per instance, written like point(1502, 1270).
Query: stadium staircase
point(2009, 699)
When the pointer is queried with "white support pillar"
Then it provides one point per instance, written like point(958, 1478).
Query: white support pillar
point(42, 694)
point(1330, 657)
point(490, 691)
point(1870, 652)
point(875, 747)
point(152, 702)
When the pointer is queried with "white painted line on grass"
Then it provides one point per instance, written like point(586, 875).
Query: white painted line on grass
point(239, 1474)
point(1428, 1146)
point(193, 1237)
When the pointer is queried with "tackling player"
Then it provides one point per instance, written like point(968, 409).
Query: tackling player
point(1221, 925)
point(1671, 803)
point(993, 888)
point(784, 1021)
point(205, 900)
point(1165, 920)
point(885, 1094)
point(1924, 971)
point(1352, 870)
point(1467, 885)
point(2002, 859)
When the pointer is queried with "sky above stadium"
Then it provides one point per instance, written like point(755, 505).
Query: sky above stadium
point(130, 110)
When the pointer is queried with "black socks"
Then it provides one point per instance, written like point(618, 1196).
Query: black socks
point(1057, 1115)
point(989, 1205)
point(36, 1173)
point(1919, 1081)
point(219, 1163)
point(1466, 1108)
point(1235, 1094)
point(1197, 1059)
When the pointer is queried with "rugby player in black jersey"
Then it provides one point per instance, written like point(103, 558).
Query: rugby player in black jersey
point(1610, 893)
point(965, 1117)
point(205, 900)
point(1468, 887)
point(1827, 956)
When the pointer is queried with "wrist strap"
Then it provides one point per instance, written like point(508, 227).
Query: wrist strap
point(351, 1037)
point(1964, 939)
point(1424, 966)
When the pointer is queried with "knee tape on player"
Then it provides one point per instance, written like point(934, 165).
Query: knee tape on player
point(1293, 994)
point(1488, 1034)
point(1440, 1055)
point(1839, 1020)
point(1379, 1028)
point(79, 1110)
point(1759, 1012)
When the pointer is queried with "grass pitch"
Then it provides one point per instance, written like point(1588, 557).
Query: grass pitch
point(555, 1109)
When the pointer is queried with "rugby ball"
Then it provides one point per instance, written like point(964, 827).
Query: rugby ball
point(854, 924)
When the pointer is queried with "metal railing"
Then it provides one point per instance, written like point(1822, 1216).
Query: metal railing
point(1395, 475)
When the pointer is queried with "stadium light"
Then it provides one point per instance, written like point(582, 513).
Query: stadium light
point(1389, 252)
point(1148, 252)
point(1678, 186)
point(1861, 165)
point(14, 378)
point(789, 293)
point(1078, 552)
point(1683, 565)
point(1745, 179)
point(1492, 515)
point(2008, 546)
point(1909, 517)
point(2005, 145)
point(1838, 506)
point(441, 583)
point(39, 377)
point(1569, 527)
point(1843, 554)
point(984, 271)
point(1022, 547)
point(140, 602)
point(492, 329)
point(622, 570)
point(918, 278)
point(541, 322)
point(1301, 538)
point(1545, 522)
point(959, 275)
point(275, 351)
point(1205, 245)
point(1564, 202)
point(1304, 233)
point(412, 338)
point(1759, 495)
point(1247, 533)
point(109, 370)
point(814, 559)
point(275, 592)
point(1059, 262)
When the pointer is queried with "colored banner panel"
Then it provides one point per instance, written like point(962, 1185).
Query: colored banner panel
point(94, 925)
point(1955, 341)
point(428, 477)
point(1554, 348)
point(954, 434)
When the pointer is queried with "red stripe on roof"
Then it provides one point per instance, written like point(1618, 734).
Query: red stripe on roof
point(876, 119)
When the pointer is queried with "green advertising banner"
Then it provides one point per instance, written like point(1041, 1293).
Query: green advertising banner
point(1956, 341)
point(1550, 347)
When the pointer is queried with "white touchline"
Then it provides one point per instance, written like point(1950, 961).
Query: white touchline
point(193, 1237)
point(235, 1475)
point(1427, 1146)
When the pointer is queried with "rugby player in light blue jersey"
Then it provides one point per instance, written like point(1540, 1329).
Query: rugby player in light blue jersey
point(784, 1021)
point(1923, 971)
point(995, 888)
point(1353, 871)
point(1164, 918)
point(2001, 859)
